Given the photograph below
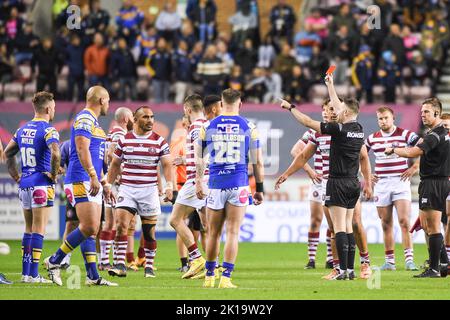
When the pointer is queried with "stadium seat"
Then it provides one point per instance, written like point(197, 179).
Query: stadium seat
point(29, 90)
point(420, 92)
point(13, 91)
point(25, 72)
point(143, 87)
point(64, 72)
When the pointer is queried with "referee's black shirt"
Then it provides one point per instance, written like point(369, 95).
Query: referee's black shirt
point(346, 142)
point(435, 161)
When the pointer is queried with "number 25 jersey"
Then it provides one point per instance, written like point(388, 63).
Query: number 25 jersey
point(228, 140)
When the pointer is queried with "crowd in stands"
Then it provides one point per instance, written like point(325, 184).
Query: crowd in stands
point(396, 44)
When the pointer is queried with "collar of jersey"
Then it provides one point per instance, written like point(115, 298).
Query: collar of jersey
point(91, 112)
point(144, 136)
point(230, 114)
point(388, 134)
point(39, 119)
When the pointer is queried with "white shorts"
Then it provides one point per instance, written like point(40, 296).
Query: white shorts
point(78, 192)
point(217, 198)
point(390, 189)
point(324, 190)
point(143, 200)
point(315, 192)
point(188, 197)
point(448, 197)
point(37, 197)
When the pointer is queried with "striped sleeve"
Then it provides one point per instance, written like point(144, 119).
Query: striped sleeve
point(119, 149)
point(254, 137)
point(165, 149)
point(51, 136)
point(368, 143)
point(412, 138)
point(84, 125)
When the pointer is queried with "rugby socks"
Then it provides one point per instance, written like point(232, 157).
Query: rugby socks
point(89, 254)
point(229, 267)
point(141, 253)
point(37, 241)
point(130, 257)
point(106, 241)
point(120, 249)
point(342, 250)
point(26, 254)
point(194, 252)
point(113, 237)
point(150, 253)
point(444, 258)
point(389, 257)
point(409, 254)
point(364, 257)
point(73, 240)
point(351, 251)
point(313, 243)
point(435, 241)
point(210, 266)
point(329, 250)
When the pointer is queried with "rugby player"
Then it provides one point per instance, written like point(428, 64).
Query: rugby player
point(83, 187)
point(140, 151)
point(38, 144)
point(392, 185)
point(230, 142)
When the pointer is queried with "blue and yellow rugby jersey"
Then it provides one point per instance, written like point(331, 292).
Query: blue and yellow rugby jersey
point(228, 140)
point(34, 139)
point(86, 125)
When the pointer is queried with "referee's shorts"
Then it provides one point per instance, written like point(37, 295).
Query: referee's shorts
point(433, 194)
point(342, 192)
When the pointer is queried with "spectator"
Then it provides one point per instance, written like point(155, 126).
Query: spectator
point(341, 49)
point(223, 53)
point(100, 17)
point(74, 60)
point(14, 24)
point(183, 67)
point(202, 13)
point(298, 86)
point(318, 23)
point(246, 57)
point(256, 87)
point(343, 18)
point(87, 27)
point(96, 61)
point(123, 67)
point(431, 51)
point(410, 42)
point(389, 74)
point(266, 53)
point(419, 69)
point(282, 21)
point(168, 22)
point(211, 70)
point(6, 65)
point(284, 63)
point(48, 62)
point(366, 36)
point(187, 34)
point(145, 43)
point(244, 25)
point(160, 68)
point(394, 43)
point(58, 7)
point(317, 65)
point(273, 83)
point(236, 80)
point(196, 56)
point(129, 20)
point(362, 74)
point(25, 44)
point(304, 42)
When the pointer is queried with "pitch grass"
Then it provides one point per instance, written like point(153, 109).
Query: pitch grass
point(263, 271)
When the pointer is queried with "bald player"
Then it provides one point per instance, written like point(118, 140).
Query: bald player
point(124, 123)
point(83, 187)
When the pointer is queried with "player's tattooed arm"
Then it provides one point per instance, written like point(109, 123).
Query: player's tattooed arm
point(55, 161)
point(10, 152)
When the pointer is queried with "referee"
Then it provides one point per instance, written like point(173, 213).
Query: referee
point(343, 187)
point(434, 185)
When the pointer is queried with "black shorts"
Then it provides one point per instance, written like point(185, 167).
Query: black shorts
point(342, 192)
point(102, 218)
point(194, 222)
point(433, 194)
point(71, 213)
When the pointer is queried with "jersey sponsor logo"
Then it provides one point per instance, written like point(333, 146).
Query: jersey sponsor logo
point(128, 149)
point(39, 196)
point(359, 135)
point(222, 172)
point(28, 133)
point(152, 150)
point(229, 189)
point(228, 128)
point(243, 196)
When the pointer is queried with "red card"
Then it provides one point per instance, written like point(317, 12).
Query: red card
point(331, 69)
